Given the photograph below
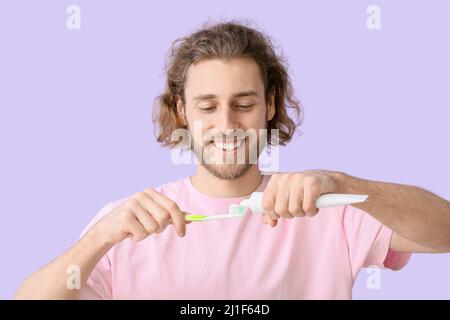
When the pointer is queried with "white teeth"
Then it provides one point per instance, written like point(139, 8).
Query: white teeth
point(228, 146)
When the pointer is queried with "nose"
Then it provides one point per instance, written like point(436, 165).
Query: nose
point(226, 120)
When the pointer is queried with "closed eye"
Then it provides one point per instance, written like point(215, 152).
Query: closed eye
point(207, 110)
point(241, 107)
point(245, 107)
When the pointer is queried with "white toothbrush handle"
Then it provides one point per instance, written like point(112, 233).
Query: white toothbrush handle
point(222, 216)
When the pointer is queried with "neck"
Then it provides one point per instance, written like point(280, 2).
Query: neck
point(210, 185)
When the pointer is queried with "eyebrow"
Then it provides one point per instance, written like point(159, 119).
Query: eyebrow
point(235, 95)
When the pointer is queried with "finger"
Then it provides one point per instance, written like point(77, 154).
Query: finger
point(282, 198)
point(266, 220)
point(185, 221)
point(309, 199)
point(136, 230)
point(295, 200)
point(145, 218)
point(159, 214)
point(177, 217)
point(269, 197)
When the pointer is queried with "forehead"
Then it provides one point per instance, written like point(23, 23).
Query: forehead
point(223, 77)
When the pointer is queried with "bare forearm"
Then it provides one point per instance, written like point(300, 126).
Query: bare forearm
point(411, 211)
point(50, 282)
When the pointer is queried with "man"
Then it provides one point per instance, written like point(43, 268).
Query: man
point(228, 79)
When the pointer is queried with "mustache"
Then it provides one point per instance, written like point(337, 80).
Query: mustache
point(224, 139)
point(219, 136)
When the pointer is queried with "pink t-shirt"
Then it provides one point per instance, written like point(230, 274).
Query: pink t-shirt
point(242, 258)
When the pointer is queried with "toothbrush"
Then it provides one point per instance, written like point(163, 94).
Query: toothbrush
point(254, 203)
point(235, 211)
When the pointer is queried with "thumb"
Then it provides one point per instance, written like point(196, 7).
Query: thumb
point(266, 220)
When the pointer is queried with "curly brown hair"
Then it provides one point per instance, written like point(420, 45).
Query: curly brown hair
point(224, 41)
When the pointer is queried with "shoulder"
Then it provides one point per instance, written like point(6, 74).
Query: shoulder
point(173, 187)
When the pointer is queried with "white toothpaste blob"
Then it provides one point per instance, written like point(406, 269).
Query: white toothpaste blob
point(236, 209)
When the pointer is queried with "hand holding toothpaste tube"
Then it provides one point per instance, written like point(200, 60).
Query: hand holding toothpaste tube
point(294, 194)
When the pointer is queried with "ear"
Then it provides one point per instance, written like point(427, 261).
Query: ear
point(181, 117)
point(271, 106)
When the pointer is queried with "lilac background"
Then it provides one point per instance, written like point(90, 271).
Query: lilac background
point(75, 107)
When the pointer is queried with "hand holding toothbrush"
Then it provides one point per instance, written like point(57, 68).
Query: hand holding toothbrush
point(141, 215)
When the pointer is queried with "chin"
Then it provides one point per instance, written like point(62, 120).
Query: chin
point(227, 171)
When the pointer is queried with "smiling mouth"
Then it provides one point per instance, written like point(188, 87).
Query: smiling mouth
point(228, 147)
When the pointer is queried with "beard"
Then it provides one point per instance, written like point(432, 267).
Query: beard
point(227, 166)
point(227, 171)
